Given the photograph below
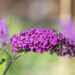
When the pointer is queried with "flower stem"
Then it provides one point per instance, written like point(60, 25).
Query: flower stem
point(7, 67)
point(6, 52)
point(11, 61)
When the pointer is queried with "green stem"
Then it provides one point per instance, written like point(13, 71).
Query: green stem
point(11, 61)
point(7, 67)
point(6, 52)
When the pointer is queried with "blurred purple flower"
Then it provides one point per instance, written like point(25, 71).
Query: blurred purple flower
point(3, 31)
point(68, 29)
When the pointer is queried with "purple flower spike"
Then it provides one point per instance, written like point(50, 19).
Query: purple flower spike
point(3, 31)
point(42, 40)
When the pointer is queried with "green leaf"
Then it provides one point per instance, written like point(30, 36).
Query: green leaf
point(3, 63)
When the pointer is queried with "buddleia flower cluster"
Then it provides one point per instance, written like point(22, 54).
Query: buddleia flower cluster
point(42, 40)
